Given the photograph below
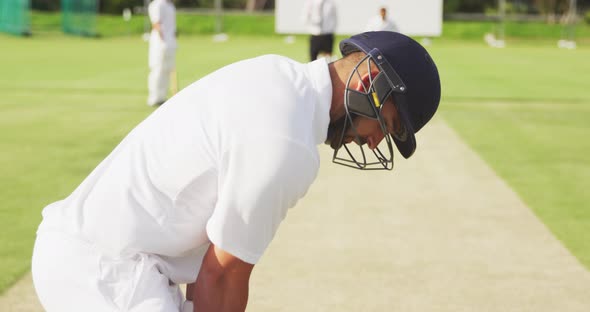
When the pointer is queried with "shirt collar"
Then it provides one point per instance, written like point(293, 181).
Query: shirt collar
point(319, 75)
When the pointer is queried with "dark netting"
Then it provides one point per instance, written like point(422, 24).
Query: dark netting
point(79, 17)
point(15, 17)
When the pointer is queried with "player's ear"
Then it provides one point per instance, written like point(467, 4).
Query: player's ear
point(364, 83)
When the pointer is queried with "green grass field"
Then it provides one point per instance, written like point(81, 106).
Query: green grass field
point(526, 111)
point(67, 101)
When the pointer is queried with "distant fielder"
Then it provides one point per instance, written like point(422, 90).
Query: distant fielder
point(381, 22)
point(321, 20)
point(162, 50)
point(195, 193)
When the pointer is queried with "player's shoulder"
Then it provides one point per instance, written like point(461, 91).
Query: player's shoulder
point(261, 64)
point(272, 60)
point(279, 71)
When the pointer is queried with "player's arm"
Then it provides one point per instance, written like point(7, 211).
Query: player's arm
point(158, 27)
point(154, 12)
point(222, 283)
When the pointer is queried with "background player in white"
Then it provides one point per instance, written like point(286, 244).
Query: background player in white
point(195, 193)
point(162, 50)
point(381, 22)
point(321, 20)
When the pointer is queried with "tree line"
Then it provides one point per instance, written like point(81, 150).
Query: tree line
point(545, 7)
point(117, 6)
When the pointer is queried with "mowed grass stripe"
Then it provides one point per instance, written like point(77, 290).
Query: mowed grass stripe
point(65, 104)
point(521, 72)
point(525, 110)
point(542, 152)
point(49, 143)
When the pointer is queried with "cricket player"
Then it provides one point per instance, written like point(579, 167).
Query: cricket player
point(381, 22)
point(195, 193)
point(321, 20)
point(162, 50)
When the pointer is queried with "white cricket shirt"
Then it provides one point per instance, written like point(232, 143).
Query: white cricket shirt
point(320, 16)
point(222, 161)
point(164, 13)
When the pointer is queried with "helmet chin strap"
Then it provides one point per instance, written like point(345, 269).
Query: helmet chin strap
point(368, 104)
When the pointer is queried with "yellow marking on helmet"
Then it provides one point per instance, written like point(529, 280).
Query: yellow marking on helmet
point(376, 100)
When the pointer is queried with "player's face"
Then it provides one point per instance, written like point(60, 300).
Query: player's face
point(370, 117)
point(369, 130)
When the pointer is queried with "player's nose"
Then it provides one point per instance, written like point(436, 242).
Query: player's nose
point(373, 141)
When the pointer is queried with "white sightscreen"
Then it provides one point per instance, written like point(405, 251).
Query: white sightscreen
point(412, 17)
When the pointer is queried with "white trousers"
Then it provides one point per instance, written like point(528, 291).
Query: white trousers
point(161, 62)
point(72, 275)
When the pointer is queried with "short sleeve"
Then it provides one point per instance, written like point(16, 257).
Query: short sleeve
point(155, 12)
point(258, 182)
